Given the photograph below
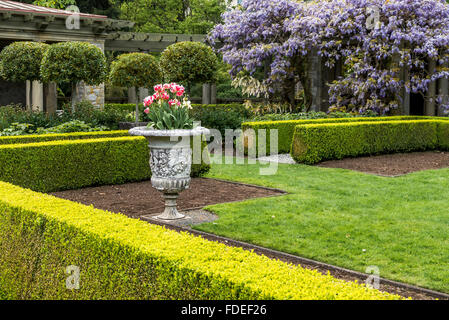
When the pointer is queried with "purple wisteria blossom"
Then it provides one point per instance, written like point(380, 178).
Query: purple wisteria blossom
point(253, 37)
point(270, 39)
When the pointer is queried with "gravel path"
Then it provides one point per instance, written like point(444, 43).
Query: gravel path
point(279, 158)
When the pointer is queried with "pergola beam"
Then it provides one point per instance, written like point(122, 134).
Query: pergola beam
point(149, 42)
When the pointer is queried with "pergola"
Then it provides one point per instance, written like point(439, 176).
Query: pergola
point(25, 22)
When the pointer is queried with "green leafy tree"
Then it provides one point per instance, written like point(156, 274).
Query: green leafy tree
point(74, 62)
point(21, 61)
point(110, 8)
point(135, 70)
point(200, 16)
point(188, 63)
point(57, 4)
point(173, 16)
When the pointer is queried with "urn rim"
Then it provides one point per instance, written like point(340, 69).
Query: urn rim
point(147, 132)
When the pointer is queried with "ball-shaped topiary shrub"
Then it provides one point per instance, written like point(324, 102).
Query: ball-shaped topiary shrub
point(21, 61)
point(189, 62)
point(73, 62)
point(135, 70)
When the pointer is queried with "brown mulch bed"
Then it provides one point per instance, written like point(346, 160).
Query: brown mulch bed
point(393, 164)
point(140, 199)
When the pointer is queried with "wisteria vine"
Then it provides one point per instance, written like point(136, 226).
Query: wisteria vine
point(269, 40)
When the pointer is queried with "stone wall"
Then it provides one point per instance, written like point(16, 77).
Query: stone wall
point(12, 93)
point(94, 94)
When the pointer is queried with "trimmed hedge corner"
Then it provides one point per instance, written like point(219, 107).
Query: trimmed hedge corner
point(286, 129)
point(313, 143)
point(64, 165)
point(123, 258)
point(443, 135)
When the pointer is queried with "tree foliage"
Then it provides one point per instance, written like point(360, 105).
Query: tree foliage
point(135, 70)
point(189, 62)
point(57, 4)
point(173, 16)
point(73, 62)
point(21, 61)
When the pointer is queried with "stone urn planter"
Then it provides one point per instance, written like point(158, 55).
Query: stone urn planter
point(170, 163)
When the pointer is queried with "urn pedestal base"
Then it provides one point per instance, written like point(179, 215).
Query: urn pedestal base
point(171, 211)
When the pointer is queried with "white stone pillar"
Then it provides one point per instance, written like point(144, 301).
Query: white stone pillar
point(206, 94)
point(132, 98)
point(37, 96)
point(143, 93)
point(51, 98)
point(28, 97)
point(213, 93)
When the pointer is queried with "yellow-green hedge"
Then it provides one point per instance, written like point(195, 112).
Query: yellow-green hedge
point(123, 258)
point(314, 143)
point(72, 164)
point(286, 129)
point(35, 138)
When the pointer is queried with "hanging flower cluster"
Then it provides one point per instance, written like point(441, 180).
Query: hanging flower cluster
point(252, 37)
point(166, 110)
point(387, 47)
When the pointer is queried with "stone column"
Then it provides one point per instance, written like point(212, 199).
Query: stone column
point(51, 98)
point(132, 98)
point(319, 75)
point(28, 97)
point(405, 107)
point(206, 94)
point(143, 93)
point(213, 93)
point(37, 96)
point(94, 94)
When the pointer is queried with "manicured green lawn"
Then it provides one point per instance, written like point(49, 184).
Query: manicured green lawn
point(345, 218)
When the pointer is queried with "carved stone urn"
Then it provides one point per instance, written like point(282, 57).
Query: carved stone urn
point(170, 163)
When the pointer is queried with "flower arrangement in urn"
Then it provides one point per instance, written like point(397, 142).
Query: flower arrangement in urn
point(169, 133)
point(166, 110)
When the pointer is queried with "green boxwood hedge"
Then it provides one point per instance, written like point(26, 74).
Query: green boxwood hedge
point(123, 258)
point(313, 143)
point(286, 129)
point(71, 164)
point(61, 136)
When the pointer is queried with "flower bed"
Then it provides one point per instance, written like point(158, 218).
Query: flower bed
point(286, 129)
point(122, 258)
point(314, 143)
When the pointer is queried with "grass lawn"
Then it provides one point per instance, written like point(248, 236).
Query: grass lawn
point(348, 219)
